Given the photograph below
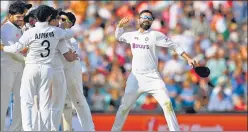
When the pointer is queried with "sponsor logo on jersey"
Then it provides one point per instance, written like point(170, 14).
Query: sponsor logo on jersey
point(140, 46)
point(18, 35)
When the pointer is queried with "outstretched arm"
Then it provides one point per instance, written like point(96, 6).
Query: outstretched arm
point(164, 41)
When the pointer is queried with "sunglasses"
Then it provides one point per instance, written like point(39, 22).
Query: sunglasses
point(65, 20)
point(150, 18)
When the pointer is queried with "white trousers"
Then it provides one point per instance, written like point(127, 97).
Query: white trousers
point(74, 83)
point(58, 98)
point(138, 84)
point(37, 78)
point(10, 82)
point(67, 115)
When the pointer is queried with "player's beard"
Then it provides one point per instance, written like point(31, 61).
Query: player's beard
point(145, 25)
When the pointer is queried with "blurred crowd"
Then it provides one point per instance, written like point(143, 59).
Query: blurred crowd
point(214, 32)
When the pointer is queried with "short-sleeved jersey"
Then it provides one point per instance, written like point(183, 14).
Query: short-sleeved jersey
point(145, 46)
point(42, 41)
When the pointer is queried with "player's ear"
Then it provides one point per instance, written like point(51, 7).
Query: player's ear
point(10, 16)
point(48, 18)
point(138, 20)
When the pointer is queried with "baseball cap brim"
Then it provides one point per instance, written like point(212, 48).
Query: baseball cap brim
point(28, 6)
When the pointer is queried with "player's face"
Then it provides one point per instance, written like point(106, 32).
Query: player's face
point(55, 22)
point(32, 21)
point(17, 19)
point(65, 21)
point(145, 21)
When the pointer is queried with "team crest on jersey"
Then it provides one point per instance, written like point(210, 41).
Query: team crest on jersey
point(146, 39)
point(17, 35)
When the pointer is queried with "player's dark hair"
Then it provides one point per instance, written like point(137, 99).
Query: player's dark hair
point(43, 12)
point(146, 11)
point(16, 9)
point(53, 17)
point(70, 16)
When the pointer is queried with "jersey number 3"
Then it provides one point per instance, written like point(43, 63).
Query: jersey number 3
point(47, 48)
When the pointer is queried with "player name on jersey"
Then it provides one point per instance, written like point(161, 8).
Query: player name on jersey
point(44, 35)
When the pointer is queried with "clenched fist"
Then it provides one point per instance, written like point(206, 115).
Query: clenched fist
point(123, 21)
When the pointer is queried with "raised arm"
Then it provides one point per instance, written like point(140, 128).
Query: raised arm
point(119, 32)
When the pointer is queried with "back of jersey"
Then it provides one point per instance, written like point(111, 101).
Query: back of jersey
point(42, 41)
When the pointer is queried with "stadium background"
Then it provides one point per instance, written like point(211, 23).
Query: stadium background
point(214, 32)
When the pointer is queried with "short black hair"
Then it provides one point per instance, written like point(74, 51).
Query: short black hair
point(146, 11)
point(56, 12)
point(70, 16)
point(16, 8)
point(30, 14)
point(43, 12)
point(24, 4)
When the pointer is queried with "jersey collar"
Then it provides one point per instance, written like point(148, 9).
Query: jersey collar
point(13, 24)
point(41, 24)
point(146, 31)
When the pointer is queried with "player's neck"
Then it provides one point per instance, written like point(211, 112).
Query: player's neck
point(14, 23)
point(141, 30)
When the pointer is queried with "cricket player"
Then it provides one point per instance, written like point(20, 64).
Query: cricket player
point(11, 68)
point(59, 82)
point(23, 4)
point(29, 20)
point(145, 77)
point(74, 82)
point(37, 76)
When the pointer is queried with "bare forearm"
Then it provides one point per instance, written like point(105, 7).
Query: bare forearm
point(185, 56)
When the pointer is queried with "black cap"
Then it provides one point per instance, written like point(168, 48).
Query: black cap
point(56, 12)
point(30, 14)
point(43, 12)
point(70, 16)
point(25, 5)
